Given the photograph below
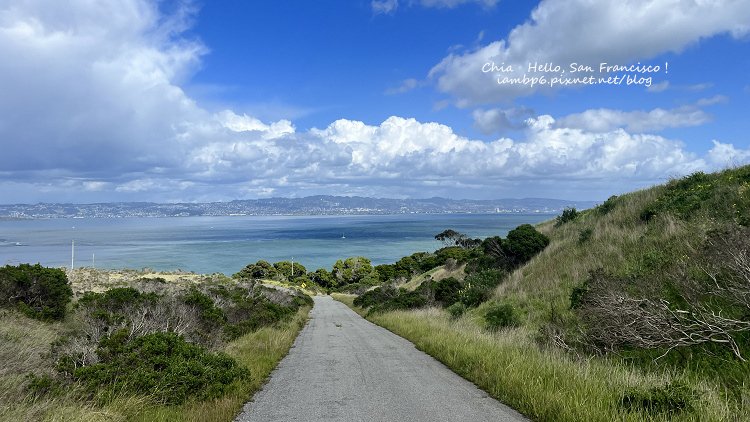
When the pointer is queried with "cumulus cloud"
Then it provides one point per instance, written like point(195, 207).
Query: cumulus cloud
point(726, 155)
point(587, 32)
point(88, 86)
point(92, 109)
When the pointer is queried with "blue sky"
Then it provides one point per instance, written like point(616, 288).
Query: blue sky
point(136, 100)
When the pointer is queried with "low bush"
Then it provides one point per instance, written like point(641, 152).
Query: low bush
point(671, 398)
point(473, 295)
point(446, 290)
point(607, 205)
point(500, 315)
point(162, 366)
point(568, 214)
point(39, 292)
point(456, 310)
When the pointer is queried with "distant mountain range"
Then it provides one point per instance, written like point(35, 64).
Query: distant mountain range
point(311, 205)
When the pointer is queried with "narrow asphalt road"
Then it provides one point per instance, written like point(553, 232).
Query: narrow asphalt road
point(344, 368)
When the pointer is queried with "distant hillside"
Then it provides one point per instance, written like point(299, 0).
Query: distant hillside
point(311, 205)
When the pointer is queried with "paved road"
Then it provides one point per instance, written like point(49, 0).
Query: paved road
point(344, 368)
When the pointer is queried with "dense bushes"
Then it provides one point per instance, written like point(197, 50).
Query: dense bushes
point(160, 345)
point(387, 298)
point(39, 292)
point(486, 265)
point(672, 398)
point(162, 366)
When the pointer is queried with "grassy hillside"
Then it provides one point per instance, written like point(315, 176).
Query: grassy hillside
point(636, 309)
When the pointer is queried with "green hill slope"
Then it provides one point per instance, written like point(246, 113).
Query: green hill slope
point(637, 309)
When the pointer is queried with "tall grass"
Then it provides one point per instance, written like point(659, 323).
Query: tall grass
point(544, 384)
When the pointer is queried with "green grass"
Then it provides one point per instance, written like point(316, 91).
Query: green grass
point(543, 384)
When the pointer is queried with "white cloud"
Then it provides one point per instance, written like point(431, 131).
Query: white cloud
point(726, 155)
point(245, 123)
point(716, 99)
point(94, 87)
point(92, 110)
point(605, 120)
point(384, 7)
point(453, 3)
point(406, 86)
point(500, 120)
point(587, 32)
point(658, 87)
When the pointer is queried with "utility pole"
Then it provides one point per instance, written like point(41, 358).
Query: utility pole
point(72, 253)
point(292, 270)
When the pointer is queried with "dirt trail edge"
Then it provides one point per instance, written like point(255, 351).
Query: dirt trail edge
point(345, 368)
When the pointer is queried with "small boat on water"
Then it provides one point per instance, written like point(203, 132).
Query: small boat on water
point(342, 236)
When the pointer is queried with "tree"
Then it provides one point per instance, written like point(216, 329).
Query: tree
point(288, 271)
point(449, 237)
point(386, 272)
point(354, 270)
point(322, 278)
point(259, 270)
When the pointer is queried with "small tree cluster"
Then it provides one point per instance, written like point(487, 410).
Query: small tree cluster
point(39, 292)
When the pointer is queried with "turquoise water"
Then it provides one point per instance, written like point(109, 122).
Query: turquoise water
point(226, 244)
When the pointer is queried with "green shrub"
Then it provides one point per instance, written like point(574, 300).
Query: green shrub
point(39, 292)
point(585, 234)
point(568, 214)
point(446, 290)
point(456, 310)
point(44, 385)
point(375, 296)
point(672, 398)
point(578, 294)
point(209, 313)
point(473, 295)
point(524, 242)
point(499, 316)
point(162, 366)
point(607, 205)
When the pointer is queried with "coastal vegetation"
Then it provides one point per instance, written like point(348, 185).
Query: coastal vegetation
point(161, 351)
point(635, 309)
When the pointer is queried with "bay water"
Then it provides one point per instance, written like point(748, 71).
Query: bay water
point(226, 244)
